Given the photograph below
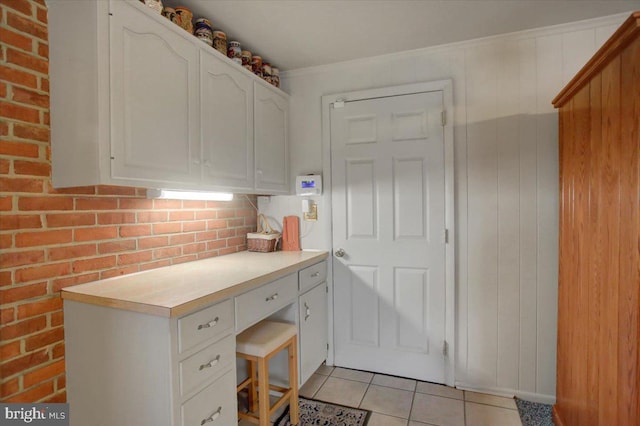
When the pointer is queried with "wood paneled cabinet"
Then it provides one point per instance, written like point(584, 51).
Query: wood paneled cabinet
point(137, 101)
point(598, 379)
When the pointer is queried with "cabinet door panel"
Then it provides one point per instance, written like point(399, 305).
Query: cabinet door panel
point(153, 100)
point(271, 129)
point(313, 330)
point(227, 124)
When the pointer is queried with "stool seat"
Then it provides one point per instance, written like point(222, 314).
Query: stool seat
point(263, 338)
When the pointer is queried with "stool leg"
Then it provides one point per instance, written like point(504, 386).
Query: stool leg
point(293, 381)
point(263, 395)
point(253, 388)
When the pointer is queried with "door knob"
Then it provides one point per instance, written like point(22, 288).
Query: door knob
point(339, 253)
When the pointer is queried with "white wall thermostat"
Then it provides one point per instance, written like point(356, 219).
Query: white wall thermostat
point(308, 185)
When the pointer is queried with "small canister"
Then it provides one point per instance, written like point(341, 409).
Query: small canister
point(186, 18)
point(203, 30)
point(170, 14)
point(154, 4)
point(275, 76)
point(266, 72)
point(256, 65)
point(235, 52)
point(220, 42)
point(246, 60)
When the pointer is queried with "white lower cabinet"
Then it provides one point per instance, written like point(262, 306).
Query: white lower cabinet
point(312, 310)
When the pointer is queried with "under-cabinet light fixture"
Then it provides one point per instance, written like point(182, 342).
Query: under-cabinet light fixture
point(189, 195)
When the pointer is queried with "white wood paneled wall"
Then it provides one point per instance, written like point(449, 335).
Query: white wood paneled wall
point(506, 150)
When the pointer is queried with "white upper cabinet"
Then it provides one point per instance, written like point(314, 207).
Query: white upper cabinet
point(271, 138)
point(137, 101)
point(226, 117)
point(154, 91)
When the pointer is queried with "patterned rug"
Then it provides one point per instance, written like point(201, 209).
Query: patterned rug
point(534, 413)
point(314, 412)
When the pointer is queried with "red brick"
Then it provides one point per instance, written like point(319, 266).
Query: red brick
point(43, 50)
point(96, 264)
point(58, 351)
point(43, 339)
point(181, 215)
point(135, 231)
point(43, 238)
point(57, 318)
point(23, 363)
point(137, 257)
point(218, 204)
point(5, 278)
point(4, 126)
point(194, 248)
point(57, 220)
point(154, 265)
point(208, 235)
point(56, 398)
point(27, 60)
point(227, 250)
point(75, 280)
point(167, 204)
point(40, 307)
point(15, 294)
point(178, 239)
point(61, 382)
point(116, 218)
point(17, 76)
point(145, 217)
point(26, 131)
point(45, 203)
point(136, 203)
point(151, 242)
point(21, 185)
point(237, 241)
point(41, 272)
point(119, 271)
point(116, 246)
point(22, 6)
point(46, 120)
point(19, 149)
point(93, 234)
point(42, 15)
point(167, 228)
point(14, 39)
point(22, 328)
point(6, 204)
point(78, 190)
point(6, 241)
point(96, 204)
point(184, 259)
point(71, 252)
point(27, 26)
point(34, 394)
point(9, 388)
point(166, 252)
point(226, 233)
point(232, 223)
point(19, 112)
point(194, 226)
point(207, 214)
point(5, 165)
point(194, 204)
point(115, 190)
point(217, 244)
point(10, 350)
point(208, 254)
point(31, 168)
point(20, 221)
point(20, 258)
point(217, 224)
point(224, 214)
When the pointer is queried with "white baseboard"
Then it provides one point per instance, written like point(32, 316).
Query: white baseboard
point(508, 393)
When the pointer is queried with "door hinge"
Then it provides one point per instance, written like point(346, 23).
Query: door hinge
point(445, 348)
point(443, 117)
point(445, 236)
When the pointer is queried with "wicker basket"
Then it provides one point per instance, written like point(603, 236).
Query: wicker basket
point(265, 239)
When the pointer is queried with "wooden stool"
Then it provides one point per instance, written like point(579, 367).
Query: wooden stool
point(257, 345)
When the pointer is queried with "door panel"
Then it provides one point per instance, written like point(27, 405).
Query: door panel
point(388, 200)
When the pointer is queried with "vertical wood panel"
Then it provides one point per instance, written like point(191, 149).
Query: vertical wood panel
point(629, 295)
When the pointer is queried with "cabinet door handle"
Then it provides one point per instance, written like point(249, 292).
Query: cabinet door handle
point(315, 274)
point(209, 324)
point(210, 363)
point(272, 297)
point(212, 417)
point(307, 311)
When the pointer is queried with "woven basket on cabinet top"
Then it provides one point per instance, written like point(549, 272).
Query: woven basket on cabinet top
point(265, 239)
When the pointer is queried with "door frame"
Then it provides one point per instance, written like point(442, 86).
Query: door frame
point(446, 86)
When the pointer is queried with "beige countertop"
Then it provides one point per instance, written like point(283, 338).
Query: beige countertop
point(174, 290)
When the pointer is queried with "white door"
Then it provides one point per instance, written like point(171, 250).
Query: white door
point(388, 196)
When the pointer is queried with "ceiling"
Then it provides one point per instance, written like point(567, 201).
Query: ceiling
point(294, 34)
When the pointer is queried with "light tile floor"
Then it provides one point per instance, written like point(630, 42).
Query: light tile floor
point(395, 401)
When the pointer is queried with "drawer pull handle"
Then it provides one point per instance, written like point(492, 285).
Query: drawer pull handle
point(209, 324)
point(307, 311)
point(272, 297)
point(210, 363)
point(315, 274)
point(212, 417)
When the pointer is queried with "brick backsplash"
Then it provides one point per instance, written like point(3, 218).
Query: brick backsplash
point(51, 239)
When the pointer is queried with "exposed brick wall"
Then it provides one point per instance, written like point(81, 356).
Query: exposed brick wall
point(50, 239)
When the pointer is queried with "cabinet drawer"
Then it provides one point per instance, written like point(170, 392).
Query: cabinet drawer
point(206, 364)
point(214, 405)
point(263, 301)
point(314, 274)
point(205, 324)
